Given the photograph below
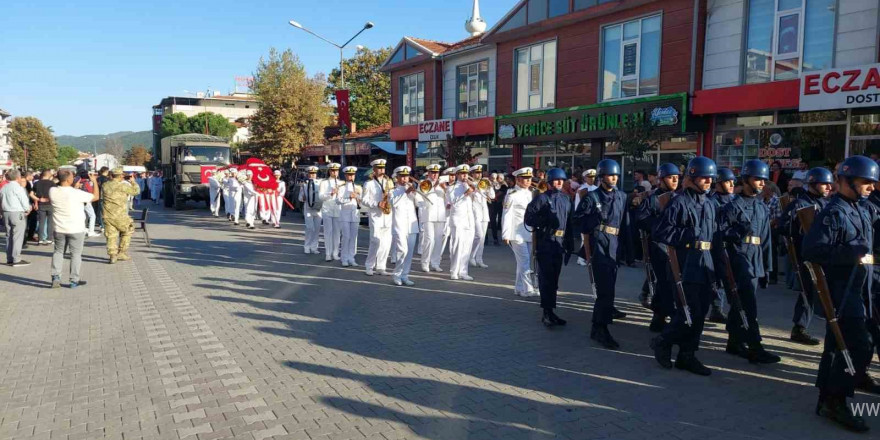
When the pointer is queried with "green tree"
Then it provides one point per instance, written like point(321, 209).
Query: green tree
point(293, 110)
point(30, 132)
point(217, 125)
point(458, 151)
point(138, 155)
point(174, 124)
point(637, 137)
point(369, 88)
point(66, 154)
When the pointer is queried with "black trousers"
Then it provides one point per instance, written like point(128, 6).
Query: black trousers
point(99, 213)
point(832, 379)
point(699, 297)
point(549, 267)
point(746, 288)
point(495, 211)
point(664, 291)
point(606, 283)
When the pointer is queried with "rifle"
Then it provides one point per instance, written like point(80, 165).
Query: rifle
point(732, 290)
point(673, 264)
point(649, 269)
point(589, 258)
point(795, 263)
point(817, 274)
point(533, 267)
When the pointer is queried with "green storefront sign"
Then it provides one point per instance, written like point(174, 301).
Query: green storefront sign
point(669, 112)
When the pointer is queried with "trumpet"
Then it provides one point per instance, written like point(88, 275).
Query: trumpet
point(482, 185)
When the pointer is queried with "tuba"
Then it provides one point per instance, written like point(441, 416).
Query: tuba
point(425, 186)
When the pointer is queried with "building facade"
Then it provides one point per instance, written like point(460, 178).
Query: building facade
point(237, 108)
point(5, 141)
point(791, 81)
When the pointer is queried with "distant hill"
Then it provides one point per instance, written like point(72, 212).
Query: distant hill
point(128, 139)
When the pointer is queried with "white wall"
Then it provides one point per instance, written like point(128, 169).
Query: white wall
point(450, 67)
point(5, 145)
point(856, 33)
point(722, 64)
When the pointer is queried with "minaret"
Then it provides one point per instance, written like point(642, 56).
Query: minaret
point(475, 25)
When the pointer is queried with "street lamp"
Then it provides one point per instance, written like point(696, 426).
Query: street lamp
point(367, 25)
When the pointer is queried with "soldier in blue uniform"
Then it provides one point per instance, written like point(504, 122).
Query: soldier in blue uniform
point(600, 215)
point(744, 230)
point(688, 225)
point(721, 195)
point(819, 181)
point(841, 240)
point(548, 216)
point(873, 324)
point(647, 215)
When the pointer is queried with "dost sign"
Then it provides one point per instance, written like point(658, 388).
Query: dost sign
point(841, 88)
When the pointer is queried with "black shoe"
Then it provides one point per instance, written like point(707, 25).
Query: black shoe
point(657, 324)
point(74, 285)
point(645, 300)
point(867, 384)
point(601, 335)
point(737, 349)
point(836, 409)
point(56, 283)
point(547, 319)
point(717, 316)
point(758, 355)
point(799, 334)
point(617, 314)
point(557, 320)
point(689, 362)
point(21, 263)
point(662, 352)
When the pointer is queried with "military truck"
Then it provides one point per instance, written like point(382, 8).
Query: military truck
point(187, 162)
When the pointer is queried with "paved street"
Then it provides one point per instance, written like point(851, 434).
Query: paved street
point(217, 332)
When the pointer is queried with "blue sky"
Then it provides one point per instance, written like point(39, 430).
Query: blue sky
point(94, 67)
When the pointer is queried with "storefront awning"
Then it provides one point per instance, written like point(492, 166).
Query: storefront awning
point(388, 147)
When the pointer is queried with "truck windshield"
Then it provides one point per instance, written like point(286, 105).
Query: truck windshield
point(206, 154)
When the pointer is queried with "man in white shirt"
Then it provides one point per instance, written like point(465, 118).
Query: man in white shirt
point(69, 217)
point(481, 199)
point(461, 223)
point(214, 183)
point(347, 198)
point(374, 200)
point(278, 206)
point(234, 186)
point(311, 203)
point(249, 198)
point(404, 225)
point(514, 232)
point(330, 212)
point(434, 225)
point(16, 206)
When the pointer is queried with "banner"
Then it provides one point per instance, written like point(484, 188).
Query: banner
point(342, 109)
point(848, 87)
point(435, 130)
point(207, 172)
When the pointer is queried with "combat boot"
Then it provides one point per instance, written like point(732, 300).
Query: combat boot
point(617, 314)
point(758, 355)
point(737, 348)
point(557, 320)
point(123, 257)
point(717, 315)
point(836, 409)
point(689, 362)
point(658, 322)
point(662, 352)
point(547, 320)
point(867, 384)
point(113, 259)
point(799, 334)
point(601, 335)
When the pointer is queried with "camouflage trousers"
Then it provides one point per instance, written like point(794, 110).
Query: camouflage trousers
point(118, 233)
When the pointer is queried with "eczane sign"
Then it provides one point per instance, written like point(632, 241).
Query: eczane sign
point(841, 88)
point(435, 130)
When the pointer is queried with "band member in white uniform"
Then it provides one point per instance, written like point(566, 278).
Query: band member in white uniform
point(311, 211)
point(214, 192)
point(330, 212)
point(447, 180)
point(279, 200)
point(404, 225)
point(461, 223)
point(374, 199)
point(227, 200)
point(514, 232)
point(481, 216)
point(234, 185)
point(347, 198)
point(434, 226)
point(249, 198)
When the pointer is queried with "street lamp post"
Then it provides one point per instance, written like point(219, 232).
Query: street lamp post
point(367, 25)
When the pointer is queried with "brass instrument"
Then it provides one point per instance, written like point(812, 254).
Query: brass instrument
point(484, 184)
point(426, 186)
point(384, 205)
point(541, 185)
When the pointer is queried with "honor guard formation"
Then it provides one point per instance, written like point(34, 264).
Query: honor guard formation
point(706, 237)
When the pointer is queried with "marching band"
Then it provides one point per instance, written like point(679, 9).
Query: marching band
point(705, 239)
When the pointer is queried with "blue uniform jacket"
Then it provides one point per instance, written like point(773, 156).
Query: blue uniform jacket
point(689, 217)
point(790, 224)
point(746, 216)
point(547, 213)
point(601, 207)
point(841, 234)
point(720, 200)
point(873, 203)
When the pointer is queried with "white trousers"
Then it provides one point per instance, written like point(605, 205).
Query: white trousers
point(250, 210)
point(479, 241)
point(265, 214)
point(215, 200)
point(275, 216)
point(523, 254)
point(434, 235)
point(405, 247)
point(349, 241)
point(236, 205)
point(313, 230)
point(380, 246)
point(460, 242)
point(332, 233)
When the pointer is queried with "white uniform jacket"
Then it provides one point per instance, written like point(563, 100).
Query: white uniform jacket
point(436, 210)
point(373, 194)
point(327, 187)
point(461, 212)
point(348, 208)
point(403, 212)
point(481, 204)
point(513, 226)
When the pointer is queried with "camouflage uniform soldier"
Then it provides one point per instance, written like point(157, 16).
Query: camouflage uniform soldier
point(117, 223)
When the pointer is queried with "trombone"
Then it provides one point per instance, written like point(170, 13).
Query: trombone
point(482, 185)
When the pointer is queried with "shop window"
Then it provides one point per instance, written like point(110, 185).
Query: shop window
point(796, 117)
point(787, 37)
point(536, 76)
point(473, 90)
point(631, 59)
point(412, 99)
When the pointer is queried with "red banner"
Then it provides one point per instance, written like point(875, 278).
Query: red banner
point(342, 109)
point(207, 172)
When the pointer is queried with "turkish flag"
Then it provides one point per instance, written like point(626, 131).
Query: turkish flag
point(342, 109)
point(207, 172)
